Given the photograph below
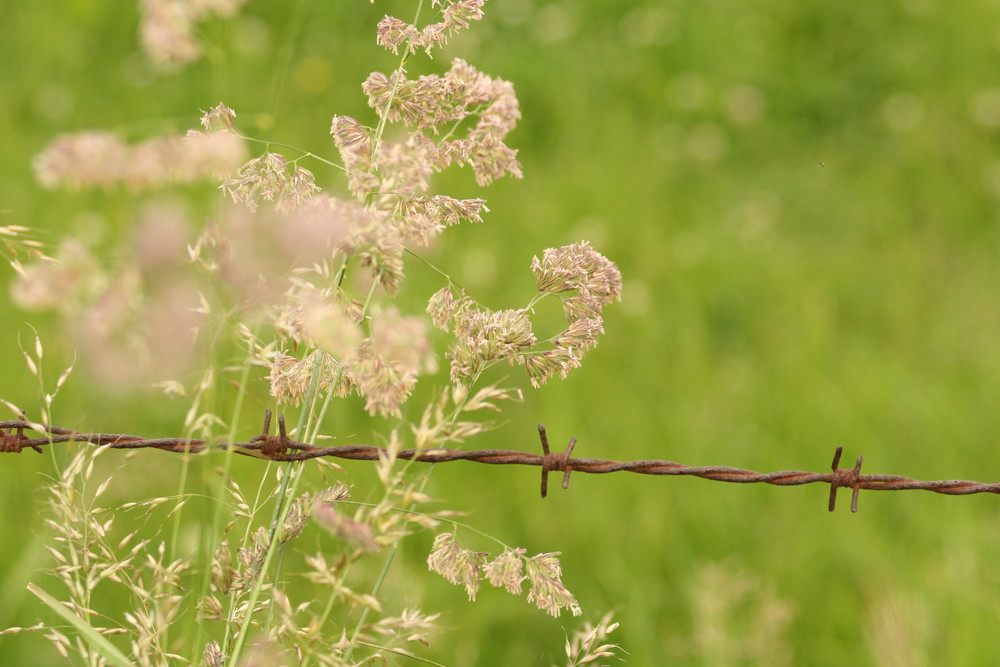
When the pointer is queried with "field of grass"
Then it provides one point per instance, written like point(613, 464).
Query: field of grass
point(804, 201)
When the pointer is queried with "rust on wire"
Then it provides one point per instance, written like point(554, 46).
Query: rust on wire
point(272, 444)
point(552, 461)
point(280, 447)
point(10, 441)
point(845, 477)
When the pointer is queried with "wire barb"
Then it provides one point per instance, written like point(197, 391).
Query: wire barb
point(268, 444)
point(845, 477)
point(281, 447)
point(552, 461)
point(11, 442)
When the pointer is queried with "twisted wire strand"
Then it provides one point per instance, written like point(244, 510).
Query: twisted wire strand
point(281, 448)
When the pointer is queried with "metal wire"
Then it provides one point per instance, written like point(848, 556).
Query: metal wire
point(280, 447)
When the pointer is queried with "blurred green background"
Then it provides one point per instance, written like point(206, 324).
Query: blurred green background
point(803, 200)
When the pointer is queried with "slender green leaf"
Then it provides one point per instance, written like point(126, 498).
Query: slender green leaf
point(98, 641)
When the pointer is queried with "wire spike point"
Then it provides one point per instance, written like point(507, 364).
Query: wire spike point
point(552, 461)
point(845, 477)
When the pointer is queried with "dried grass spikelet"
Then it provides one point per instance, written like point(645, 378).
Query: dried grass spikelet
point(457, 565)
point(168, 28)
point(578, 267)
point(431, 101)
point(64, 282)
point(290, 377)
point(455, 16)
point(355, 143)
point(508, 570)
point(547, 590)
point(269, 177)
point(98, 159)
point(320, 318)
point(356, 534)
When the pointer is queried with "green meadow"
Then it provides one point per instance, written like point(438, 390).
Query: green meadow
point(803, 199)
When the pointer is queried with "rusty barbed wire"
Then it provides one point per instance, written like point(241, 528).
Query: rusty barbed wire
point(280, 447)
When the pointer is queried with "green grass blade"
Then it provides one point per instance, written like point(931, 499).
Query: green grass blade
point(92, 636)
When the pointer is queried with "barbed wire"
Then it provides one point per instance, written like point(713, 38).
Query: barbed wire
point(280, 447)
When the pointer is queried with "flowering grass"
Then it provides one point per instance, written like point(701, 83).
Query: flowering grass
point(799, 198)
point(304, 279)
